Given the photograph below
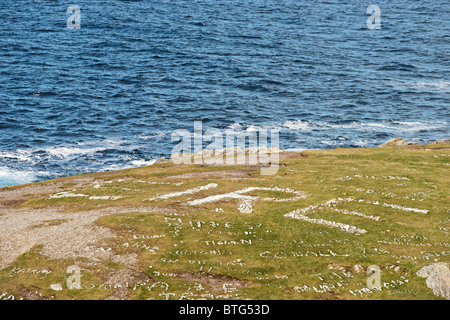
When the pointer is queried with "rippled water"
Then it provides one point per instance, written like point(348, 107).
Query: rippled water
point(109, 95)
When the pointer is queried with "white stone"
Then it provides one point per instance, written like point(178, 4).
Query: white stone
point(56, 287)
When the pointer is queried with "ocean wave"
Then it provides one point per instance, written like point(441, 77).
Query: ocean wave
point(65, 152)
point(10, 177)
point(157, 136)
point(83, 148)
point(305, 125)
point(19, 155)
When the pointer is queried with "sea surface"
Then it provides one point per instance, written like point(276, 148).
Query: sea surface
point(109, 95)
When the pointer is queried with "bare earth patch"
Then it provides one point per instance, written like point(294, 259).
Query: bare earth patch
point(75, 235)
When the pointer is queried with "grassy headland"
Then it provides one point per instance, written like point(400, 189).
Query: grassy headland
point(134, 237)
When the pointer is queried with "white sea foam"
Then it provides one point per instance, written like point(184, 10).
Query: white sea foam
point(297, 125)
point(64, 152)
point(85, 148)
point(384, 126)
point(360, 142)
point(9, 177)
point(329, 142)
point(21, 155)
point(157, 136)
point(235, 126)
point(295, 149)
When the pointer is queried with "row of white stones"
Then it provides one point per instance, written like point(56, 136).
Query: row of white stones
point(239, 194)
point(182, 193)
point(345, 227)
point(394, 206)
point(300, 213)
point(75, 195)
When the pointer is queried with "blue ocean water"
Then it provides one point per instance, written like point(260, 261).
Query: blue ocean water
point(108, 95)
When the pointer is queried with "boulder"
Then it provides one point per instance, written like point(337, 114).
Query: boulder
point(438, 278)
point(393, 142)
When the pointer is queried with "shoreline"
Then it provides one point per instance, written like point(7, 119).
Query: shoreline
point(395, 142)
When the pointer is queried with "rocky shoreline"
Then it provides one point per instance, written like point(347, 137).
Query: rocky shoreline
point(405, 142)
